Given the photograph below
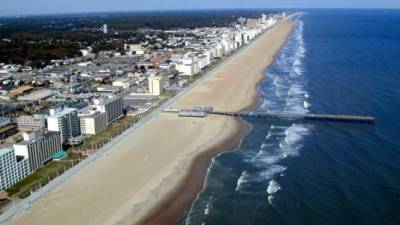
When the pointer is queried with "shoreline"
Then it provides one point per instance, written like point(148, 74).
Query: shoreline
point(174, 207)
point(176, 204)
point(146, 169)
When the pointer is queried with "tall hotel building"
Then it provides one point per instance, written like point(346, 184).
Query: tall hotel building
point(157, 84)
point(13, 168)
point(39, 148)
point(112, 106)
point(92, 122)
point(66, 122)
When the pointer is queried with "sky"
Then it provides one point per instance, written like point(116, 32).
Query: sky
point(27, 7)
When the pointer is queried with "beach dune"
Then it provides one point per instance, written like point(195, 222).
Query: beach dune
point(152, 175)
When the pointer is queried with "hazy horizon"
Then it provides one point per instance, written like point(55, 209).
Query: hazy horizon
point(46, 7)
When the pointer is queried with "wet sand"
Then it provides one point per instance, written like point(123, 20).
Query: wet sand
point(154, 174)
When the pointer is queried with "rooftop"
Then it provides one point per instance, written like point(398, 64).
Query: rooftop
point(37, 95)
point(64, 112)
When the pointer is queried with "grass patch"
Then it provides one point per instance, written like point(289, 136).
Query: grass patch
point(111, 131)
point(4, 202)
point(38, 178)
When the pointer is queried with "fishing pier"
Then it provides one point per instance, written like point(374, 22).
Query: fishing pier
point(205, 111)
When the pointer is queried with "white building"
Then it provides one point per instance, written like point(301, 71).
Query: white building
point(125, 83)
point(137, 48)
point(204, 61)
point(38, 148)
point(238, 39)
point(105, 29)
point(65, 121)
point(12, 168)
point(157, 84)
point(271, 21)
point(188, 66)
point(219, 51)
point(228, 46)
point(93, 122)
point(112, 106)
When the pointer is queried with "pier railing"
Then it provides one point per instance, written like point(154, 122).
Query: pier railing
point(275, 115)
point(300, 116)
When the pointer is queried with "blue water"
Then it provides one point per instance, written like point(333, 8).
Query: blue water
point(337, 62)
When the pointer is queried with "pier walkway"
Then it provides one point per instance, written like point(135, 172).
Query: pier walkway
point(298, 116)
point(274, 115)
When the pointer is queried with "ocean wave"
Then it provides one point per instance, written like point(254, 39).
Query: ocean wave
point(270, 199)
point(285, 91)
point(248, 178)
point(290, 145)
point(273, 187)
point(306, 104)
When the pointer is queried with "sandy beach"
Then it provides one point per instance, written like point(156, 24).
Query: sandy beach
point(152, 176)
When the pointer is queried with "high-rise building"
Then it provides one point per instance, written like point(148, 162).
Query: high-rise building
point(13, 168)
point(105, 29)
point(188, 66)
point(92, 122)
point(157, 84)
point(112, 106)
point(65, 121)
point(39, 148)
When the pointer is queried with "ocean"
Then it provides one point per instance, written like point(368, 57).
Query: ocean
point(296, 172)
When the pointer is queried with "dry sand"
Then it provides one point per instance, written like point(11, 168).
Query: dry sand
point(148, 167)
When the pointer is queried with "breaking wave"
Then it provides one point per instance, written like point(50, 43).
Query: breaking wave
point(284, 91)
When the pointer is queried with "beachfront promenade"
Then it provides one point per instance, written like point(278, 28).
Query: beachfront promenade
point(134, 173)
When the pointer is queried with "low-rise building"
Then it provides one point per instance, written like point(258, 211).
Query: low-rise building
point(31, 123)
point(125, 83)
point(137, 48)
point(21, 90)
point(7, 131)
point(38, 95)
point(109, 89)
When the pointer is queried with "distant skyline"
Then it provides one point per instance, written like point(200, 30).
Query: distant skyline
point(28, 7)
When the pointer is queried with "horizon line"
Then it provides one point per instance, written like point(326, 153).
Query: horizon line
point(188, 9)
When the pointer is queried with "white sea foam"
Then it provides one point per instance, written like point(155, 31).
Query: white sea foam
point(270, 199)
point(268, 173)
point(290, 145)
point(296, 90)
point(306, 105)
point(263, 159)
point(269, 135)
point(273, 127)
point(273, 187)
point(242, 180)
point(285, 92)
point(207, 209)
point(264, 145)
